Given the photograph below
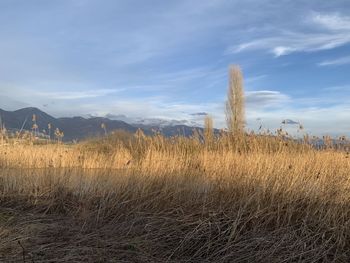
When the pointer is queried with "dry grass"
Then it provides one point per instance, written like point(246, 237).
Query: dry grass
point(235, 109)
point(128, 198)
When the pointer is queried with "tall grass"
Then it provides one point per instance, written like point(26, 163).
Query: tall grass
point(228, 197)
point(136, 198)
point(235, 108)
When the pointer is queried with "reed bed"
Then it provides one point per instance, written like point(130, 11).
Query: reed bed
point(137, 198)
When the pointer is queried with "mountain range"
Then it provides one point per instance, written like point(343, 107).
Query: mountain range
point(78, 128)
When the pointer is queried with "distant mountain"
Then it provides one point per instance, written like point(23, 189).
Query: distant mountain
point(159, 122)
point(73, 128)
point(23, 118)
point(79, 128)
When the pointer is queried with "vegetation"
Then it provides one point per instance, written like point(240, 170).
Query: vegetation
point(228, 197)
point(235, 112)
point(153, 199)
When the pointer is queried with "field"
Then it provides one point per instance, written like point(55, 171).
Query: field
point(209, 198)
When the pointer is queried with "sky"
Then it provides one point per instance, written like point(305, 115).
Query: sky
point(169, 59)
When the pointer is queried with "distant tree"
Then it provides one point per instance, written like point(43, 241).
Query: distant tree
point(235, 106)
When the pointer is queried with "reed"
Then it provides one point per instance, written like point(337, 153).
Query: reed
point(235, 109)
point(227, 197)
point(154, 199)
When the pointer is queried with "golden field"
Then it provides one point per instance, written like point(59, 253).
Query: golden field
point(209, 198)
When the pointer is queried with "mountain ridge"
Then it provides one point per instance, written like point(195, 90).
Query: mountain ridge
point(78, 127)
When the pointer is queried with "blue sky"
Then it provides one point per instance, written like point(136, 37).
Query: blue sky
point(169, 59)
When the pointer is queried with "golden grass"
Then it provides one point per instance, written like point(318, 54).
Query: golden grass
point(127, 198)
point(235, 109)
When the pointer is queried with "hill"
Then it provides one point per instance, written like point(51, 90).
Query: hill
point(77, 128)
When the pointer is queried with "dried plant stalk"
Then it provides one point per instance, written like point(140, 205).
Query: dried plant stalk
point(235, 111)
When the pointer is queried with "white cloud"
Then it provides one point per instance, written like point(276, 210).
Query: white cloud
point(333, 21)
point(270, 106)
point(290, 42)
point(265, 98)
point(254, 78)
point(328, 31)
point(7, 103)
point(73, 95)
point(163, 50)
point(280, 51)
point(316, 120)
point(335, 62)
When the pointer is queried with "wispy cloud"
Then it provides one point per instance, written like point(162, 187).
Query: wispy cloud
point(169, 58)
point(335, 62)
point(316, 120)
point(8, 103)
point(254, 78)
point(340, 88)
point(333, 21)
point(74, 95)
point(327, 31)
point(265, 98)
point(199, 114)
